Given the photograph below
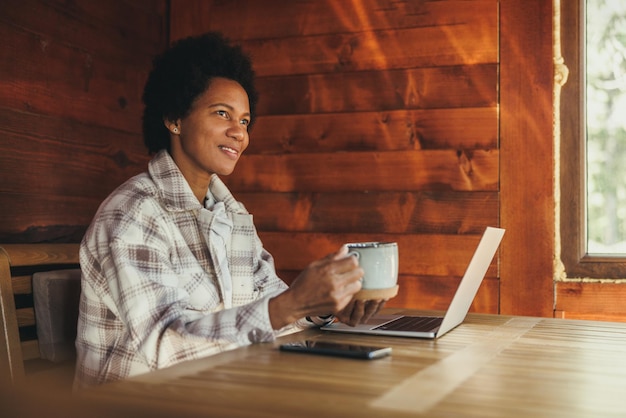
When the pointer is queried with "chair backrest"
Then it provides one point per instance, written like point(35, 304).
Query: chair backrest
point(18, 328)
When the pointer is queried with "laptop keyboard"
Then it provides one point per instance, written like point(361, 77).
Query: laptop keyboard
point(412, 323)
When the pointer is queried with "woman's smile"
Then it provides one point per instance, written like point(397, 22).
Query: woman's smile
point(230, 152)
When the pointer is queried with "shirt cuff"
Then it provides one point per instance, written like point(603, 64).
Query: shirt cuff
point(321, 320)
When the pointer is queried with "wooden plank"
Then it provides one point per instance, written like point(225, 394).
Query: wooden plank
point(368, 171)
point(453, 39)
point(377, 212)
point(395, 130)
point(572, 143)
point(88, 174)
point(468, 43)
point(71, 215)
point(375, 91)
point(72, 177)
point(140, 30)
point(424, 255)
point(34, 145)
point(39, 75)
point(431, 293)
point(490, 366)
point(282, 19)
point(55, 132)
point(435, 293)
point(25, 317)
point(591, 300)
point(527, 154)
point(591, 316)
point(41, 254)
point(47, 233)
point(22, 285)
point(11, 363)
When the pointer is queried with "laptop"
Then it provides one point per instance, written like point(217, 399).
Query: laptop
point(435, 326)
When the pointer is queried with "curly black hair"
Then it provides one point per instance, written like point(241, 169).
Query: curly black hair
point(182, 73)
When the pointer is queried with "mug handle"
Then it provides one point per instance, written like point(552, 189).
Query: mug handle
point(357, 255)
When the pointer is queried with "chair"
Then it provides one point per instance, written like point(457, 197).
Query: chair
point(39, 289)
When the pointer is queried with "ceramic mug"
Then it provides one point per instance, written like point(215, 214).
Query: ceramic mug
point(379, 261)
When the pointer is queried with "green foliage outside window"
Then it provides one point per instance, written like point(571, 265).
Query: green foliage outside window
point(606, 126)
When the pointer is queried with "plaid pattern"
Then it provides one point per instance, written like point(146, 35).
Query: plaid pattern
point(165, 279)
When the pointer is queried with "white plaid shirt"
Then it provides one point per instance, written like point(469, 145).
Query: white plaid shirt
point(165, 279)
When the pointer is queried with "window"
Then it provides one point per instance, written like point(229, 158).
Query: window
point(605, 88)
point(593, 192)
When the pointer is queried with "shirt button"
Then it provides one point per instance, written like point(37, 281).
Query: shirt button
point(253, 335)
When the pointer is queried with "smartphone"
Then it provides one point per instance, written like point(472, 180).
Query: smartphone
point(337, 349)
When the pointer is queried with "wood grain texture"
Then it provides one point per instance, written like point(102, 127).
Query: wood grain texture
point(436, 292)
point(373, 212)
point(61, 21)
point(593, 301)
point(25, 317)
point(284, 18)
point(442, 170)
point(432, 291)
point(383, 90)
point(287, 38)
point(70, 109)
point(419, 254)
point(42, 73)
point(57, 217)
point(41, 254)
point(527, 151)
point(11, 361)
point(490, 366)
point(397, 130)
point(465, 43)
point(22, 285)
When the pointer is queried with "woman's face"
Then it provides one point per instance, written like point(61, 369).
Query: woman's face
point(213, 136)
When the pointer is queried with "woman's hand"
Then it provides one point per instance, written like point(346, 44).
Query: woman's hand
point(325, 286)
point(360, 311)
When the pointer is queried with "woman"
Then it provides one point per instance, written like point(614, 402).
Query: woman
point(172, 265)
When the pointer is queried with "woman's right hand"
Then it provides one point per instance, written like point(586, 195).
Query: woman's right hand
point(325, 286)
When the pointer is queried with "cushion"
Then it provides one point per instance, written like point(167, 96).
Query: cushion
point(56, 297)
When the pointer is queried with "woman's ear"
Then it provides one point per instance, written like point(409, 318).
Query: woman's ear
point(172, 126)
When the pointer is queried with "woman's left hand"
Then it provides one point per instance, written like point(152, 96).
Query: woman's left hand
point(360, 311)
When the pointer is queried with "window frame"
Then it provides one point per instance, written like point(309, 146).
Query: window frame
point(576, 261)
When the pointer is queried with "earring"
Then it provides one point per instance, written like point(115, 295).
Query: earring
point(175, 130)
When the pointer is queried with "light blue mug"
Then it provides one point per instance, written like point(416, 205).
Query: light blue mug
point(379, 261)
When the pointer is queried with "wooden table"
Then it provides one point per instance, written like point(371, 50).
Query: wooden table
point(490, 366)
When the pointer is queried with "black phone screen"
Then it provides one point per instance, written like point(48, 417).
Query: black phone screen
point(337, 349)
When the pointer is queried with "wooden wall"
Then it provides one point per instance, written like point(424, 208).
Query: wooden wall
point(72, 75)
point(377, 121)
point(416, 121)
